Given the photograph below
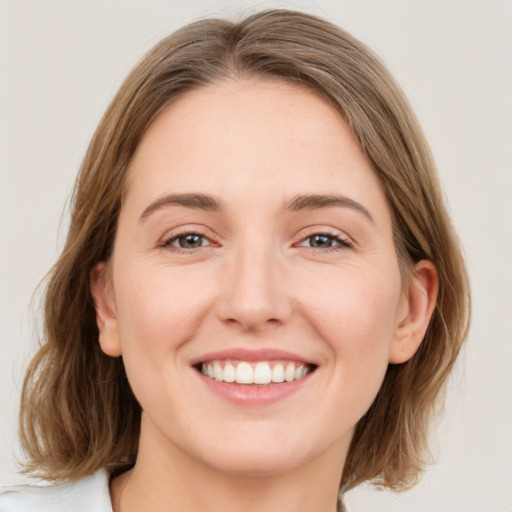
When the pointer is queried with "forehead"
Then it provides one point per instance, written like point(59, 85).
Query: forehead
point(252, 139)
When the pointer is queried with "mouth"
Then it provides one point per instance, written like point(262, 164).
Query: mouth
point(259, 373)
point(260, 377)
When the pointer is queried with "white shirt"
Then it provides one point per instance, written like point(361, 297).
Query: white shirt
point(89, 494)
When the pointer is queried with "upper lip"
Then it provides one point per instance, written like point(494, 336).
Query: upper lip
point(243, 354)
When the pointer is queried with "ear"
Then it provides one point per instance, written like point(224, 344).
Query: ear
point(102, 293)
point(415, 312)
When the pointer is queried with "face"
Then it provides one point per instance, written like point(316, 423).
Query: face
point(254, 245)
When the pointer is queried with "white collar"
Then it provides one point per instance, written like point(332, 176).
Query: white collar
point(88, 494)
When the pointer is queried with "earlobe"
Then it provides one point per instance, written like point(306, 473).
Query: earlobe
point(420, 301)
point(101, 290)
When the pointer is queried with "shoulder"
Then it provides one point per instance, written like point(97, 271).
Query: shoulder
point(89, 494)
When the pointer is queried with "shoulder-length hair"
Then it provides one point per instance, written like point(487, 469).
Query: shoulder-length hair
point(78, 412)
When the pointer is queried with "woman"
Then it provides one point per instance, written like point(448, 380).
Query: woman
point(261, 294)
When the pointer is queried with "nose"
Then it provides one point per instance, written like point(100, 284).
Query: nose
point(254, 295)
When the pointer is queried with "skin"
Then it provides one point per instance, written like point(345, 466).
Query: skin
point(255, 282)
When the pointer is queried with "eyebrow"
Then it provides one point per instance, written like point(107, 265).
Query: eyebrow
point(316, 201)
point(196, 201)
point(296, 203)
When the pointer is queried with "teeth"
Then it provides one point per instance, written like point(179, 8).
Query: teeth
point(262, 374)
point(244, 374)
point(259, 373)
point(278, 373)
point(289, 373)
point(218, 373)
point(229, 373)
point(298, 372)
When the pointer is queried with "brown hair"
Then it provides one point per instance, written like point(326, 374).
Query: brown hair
point(78, 412)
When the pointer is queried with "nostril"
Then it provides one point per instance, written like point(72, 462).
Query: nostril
point(252, 322)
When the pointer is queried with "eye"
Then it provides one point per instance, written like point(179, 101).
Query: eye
point(186, 241)
point(324, 241)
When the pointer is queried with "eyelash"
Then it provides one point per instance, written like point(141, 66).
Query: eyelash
point(167, 243)
point(342, 243)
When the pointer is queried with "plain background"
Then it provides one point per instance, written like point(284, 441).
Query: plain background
point(60, 64)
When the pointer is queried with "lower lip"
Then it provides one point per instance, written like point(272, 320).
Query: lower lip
point(254, 394)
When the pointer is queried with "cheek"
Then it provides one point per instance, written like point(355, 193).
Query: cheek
point(356, 307)
point(156, 310)
point(357, 321)
point(157, 313)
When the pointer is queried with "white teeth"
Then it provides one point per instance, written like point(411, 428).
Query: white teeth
point(262, 372)
point(289, 373)
point(244, 374)
point(217, 371)
point(278, 373)
point(229, 373)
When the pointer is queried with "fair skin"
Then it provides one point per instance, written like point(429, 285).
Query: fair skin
point(252, 224)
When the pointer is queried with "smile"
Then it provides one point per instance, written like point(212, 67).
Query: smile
point(260, 372)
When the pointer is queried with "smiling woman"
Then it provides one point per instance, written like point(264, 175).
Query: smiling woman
point(261, 295)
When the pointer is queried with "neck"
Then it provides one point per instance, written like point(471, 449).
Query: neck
point(170, 480)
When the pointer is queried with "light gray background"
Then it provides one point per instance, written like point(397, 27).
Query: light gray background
point(60, 64)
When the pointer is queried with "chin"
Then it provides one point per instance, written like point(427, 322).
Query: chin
point(269, 450)
point(256, 462)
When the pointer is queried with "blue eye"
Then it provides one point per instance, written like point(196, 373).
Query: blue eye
point(324, 241)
